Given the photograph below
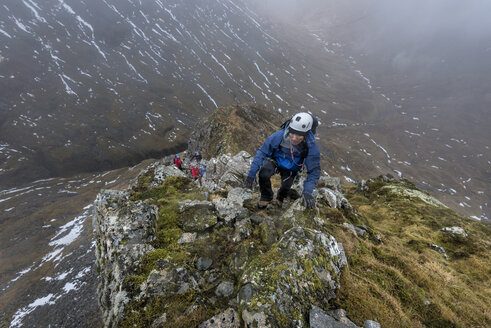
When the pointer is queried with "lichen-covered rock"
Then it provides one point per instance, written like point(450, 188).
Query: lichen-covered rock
point(187, 238)
point(371, 324)
point(297, 186)
point(333, 183)
point(274, 270)
point(196, 216)
point(160, 321)
point(228, 210)
point(360, 231)
point(304, 266)
point(362, 186)
point(320, 319)
point(227, 172)
point(341, 316)
point(239, 195)
point(239, 260)
point(227, 319)
point(204, 263)
point(168, 280)
point(342, 202)
point(225, 289)
point(124, 230)
point(232, 207)
point(329, 196)
point(268, 232)
point(439, 249)
point(399, 190)
point(161, 172)
point(235, 170)
point(455, 231)
point(243, 229)
point(290, 214)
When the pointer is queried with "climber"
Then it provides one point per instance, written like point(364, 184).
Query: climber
point(286, 152)
point(202, 170)
point(195, 172)
point(178, 162)
point(197, 157)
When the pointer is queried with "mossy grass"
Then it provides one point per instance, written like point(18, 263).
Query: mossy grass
point(182, 310)
point(402, 282)
point(145, 180)
point(172, 189)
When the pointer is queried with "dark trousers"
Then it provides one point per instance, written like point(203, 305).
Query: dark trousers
point(268, 169)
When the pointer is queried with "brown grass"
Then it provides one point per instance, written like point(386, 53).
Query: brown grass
point(405, 283)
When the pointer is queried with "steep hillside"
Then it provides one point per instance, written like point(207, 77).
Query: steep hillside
point(99, 84)
point(47, 276)
point(415, 262)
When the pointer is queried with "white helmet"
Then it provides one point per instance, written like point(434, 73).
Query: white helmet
point(301, 124)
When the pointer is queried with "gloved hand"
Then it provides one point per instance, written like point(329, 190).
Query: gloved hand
point(249, 182)
point(308, 201)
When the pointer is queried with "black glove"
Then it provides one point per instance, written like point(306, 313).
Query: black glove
point(249, 182)
point(308, 201)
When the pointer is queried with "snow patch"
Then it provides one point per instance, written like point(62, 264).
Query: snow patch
point(349, 179)
point(21, 313)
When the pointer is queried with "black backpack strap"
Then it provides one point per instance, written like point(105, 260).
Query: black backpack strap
point(315, 123)
point(305, 153)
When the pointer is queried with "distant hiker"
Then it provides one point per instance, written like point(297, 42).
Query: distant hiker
point(195, 172)
point(285, 152)
point(202, 170)
point(178, 162)
point(197, 157)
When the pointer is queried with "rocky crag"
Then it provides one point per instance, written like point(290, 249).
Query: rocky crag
point(173, 251)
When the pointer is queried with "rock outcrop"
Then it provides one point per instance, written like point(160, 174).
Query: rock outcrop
point(269, 266)
point(233, 129)
point(125, 230)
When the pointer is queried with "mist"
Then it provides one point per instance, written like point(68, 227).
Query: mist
point(444, 45)
point(413, 22)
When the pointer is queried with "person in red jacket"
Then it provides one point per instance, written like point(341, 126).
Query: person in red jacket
point(178, 162)
point(195, 172)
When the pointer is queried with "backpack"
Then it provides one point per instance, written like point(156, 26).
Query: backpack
point(315, 123)
point(195, 171)
point(305, 153)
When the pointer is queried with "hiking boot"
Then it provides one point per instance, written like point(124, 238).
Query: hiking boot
point(264, 203)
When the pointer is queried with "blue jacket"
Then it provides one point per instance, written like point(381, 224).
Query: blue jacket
point(271, 148)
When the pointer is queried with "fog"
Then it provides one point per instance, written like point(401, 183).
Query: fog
point(442, 44)
point(410, 21)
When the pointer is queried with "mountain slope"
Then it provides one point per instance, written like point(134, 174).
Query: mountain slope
point(97, 84)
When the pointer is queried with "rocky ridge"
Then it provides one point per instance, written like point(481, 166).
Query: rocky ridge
point(267, 268)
